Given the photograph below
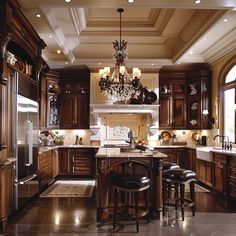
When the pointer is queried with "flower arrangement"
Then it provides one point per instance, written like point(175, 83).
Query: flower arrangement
point(59, 139)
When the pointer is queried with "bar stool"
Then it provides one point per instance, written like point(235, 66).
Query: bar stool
point(169, 166)
point(179, 178)
point(132, 184)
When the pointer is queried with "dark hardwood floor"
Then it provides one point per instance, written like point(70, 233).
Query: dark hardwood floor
point(77, 216)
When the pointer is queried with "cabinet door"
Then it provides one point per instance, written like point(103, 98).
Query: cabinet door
point(192, 159)
point(165, 117)
point(82, 113)
point(7, 176)
point(64, 162)
point(43, 103)
point(205, 172)
point(179, 112)
point(181, 158)
point(219, 172)
point(10, 177)
point(67, 112)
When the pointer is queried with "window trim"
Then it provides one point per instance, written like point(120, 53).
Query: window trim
point(225, 86)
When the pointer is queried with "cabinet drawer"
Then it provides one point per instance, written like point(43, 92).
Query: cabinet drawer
point(80, 159)
point(81, 164)
point(81, 170)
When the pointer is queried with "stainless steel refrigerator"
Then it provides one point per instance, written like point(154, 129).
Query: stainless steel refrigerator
point(25, 141)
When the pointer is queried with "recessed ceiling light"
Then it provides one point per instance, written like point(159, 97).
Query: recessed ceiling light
point(179, 63)
point(99, 63)
point(38, 15)
point(66, 62)
point(197, 1)
point(58, 51)
point(152, 64)
point(49, 36)
point(67, 0)
point(190, 52)
point(130, 1)
point(205, 38)
point(225, 20)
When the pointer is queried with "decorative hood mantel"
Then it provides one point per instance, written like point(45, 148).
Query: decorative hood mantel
point(98, 109)
point(124, 108)
point(109, 123)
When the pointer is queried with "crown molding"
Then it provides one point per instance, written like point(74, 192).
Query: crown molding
point(59, 36)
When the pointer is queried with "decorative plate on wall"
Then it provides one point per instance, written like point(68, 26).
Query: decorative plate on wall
point(166, 135)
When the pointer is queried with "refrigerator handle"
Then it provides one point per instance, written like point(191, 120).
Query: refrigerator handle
point(29, 141)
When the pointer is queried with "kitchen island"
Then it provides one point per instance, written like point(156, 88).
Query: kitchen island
point(110, 161)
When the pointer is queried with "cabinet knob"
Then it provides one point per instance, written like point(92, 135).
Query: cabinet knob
point(68, 91)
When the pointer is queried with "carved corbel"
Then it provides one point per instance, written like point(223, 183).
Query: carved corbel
point(4, 39)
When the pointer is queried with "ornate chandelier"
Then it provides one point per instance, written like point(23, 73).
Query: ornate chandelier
point(119, 85)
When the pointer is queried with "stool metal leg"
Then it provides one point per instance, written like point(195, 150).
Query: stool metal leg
point(116, 194)
point(164, 196)
point(182, 192)
point(176, 196)
point(136, 210)
point(146, 196)
point(192, 196)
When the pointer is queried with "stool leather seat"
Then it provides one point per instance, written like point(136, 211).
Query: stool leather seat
point(131, 181)
point(169, 166)
point(179, 174)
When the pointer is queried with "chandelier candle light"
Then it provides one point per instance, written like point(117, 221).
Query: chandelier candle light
point(119, 86)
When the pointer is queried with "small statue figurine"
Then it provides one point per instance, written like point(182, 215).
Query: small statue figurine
point(193, 89)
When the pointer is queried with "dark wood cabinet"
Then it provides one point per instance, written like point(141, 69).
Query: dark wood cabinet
point(183, 98)
point(74, 105)
point(220, 169)
point(231, 178)
point(172, 104)
point(64, 161)
point(181, 158)
point(46, 168)
point(205, 172)
point(170, 154)
point(191, 153)
point(199, 99)
point(165, 111)
point(77, 162)
point(175, 155)
point(179, 112)
point(52, 96)
point(82, 161)
point(7, 177)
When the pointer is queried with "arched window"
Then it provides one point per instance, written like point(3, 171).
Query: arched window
point(229, 102)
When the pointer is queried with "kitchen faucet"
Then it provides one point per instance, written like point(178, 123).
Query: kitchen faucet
point(131, 138)
point(224, 143)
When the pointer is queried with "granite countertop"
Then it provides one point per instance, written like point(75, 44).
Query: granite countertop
point(231, 152)
point(116, 152)
point(7, 161)
point(49, 148)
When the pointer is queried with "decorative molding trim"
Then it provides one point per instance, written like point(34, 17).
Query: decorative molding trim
point(78, 19)
point(204, 28)
point(92, 64)
point(224, 46)
point(60, 38)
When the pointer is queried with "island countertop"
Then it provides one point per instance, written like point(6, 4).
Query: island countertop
point(116, 152)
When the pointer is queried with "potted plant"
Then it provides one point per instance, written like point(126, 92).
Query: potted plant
point(59, 139)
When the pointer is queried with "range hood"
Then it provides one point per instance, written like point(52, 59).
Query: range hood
point(98, 109)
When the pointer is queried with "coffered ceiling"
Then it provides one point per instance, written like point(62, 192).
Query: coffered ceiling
point(163, 32)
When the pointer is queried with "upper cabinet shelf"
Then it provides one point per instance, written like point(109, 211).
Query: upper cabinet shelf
point(19, 59)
